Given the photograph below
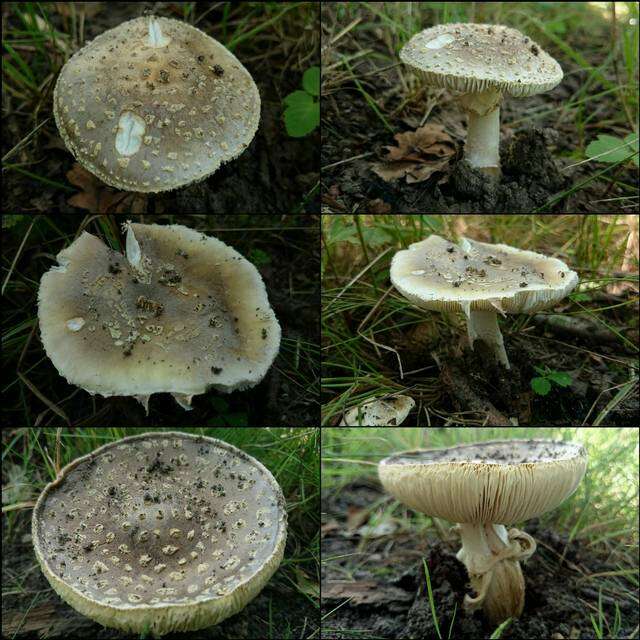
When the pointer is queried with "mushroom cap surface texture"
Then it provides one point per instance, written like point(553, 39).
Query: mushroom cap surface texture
point(471, 58)
point(501, 481)
point(181, 313)
point(383, 412)
point(440, 275)
point(162, 532)
point(155, 104)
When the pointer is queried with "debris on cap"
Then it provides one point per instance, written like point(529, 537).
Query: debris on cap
point(160, 532)
point(383, 412)
point(482, 62)
point(180, 313)
point(481, 280)
point(155, 104)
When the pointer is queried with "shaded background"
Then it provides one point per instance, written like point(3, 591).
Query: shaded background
point(276, 41)
point(284, 249)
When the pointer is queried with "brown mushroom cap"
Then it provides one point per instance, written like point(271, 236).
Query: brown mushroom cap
point(162, 532)
point(502, 481)
point(182, 312)
point(155, 104)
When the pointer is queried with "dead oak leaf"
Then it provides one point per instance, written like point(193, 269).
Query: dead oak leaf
point(418, 156)
point(97, 197)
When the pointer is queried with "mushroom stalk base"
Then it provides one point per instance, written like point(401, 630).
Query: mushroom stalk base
point(483, 325)
point(482, 148)
point(491, 556)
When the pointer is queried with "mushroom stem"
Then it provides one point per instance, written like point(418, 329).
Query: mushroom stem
point(482, 147)
point(483, 325)
point(491, 556)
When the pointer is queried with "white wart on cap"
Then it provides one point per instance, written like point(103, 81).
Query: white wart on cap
point(483, 487)
point(160, 532)
point(483, 62)
point(182, 312)
point(155, 104)
point(481, 280)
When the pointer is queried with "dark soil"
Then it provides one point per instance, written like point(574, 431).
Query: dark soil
point(275, 174)
point(557, 603)
point(471, 383)
point(535, 160)
point(279, 611)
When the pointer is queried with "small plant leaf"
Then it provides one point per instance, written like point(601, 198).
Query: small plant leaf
point(609, 149)
point(311, 81)
point(560, 378)
point(540, 386)
point(302, 114)
point(632, 140)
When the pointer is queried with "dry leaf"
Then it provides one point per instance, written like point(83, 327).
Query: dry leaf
point(97, 197)
point(418, 156)
point(364, 592)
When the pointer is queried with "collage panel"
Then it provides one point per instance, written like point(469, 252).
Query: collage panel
point(479, 320)
point(138, 107)
point(490, 107)
point(187, 533)
point(479, 532)
point(320, 320)
point(161, 320)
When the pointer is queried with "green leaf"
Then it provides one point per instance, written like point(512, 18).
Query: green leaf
point(302, 114)
point(374, 236)
point(580, 297)
point(560, 378)
point(541, 386)
point(311, 81)
point(259, 257)
point(632, 140)
point(612, 148)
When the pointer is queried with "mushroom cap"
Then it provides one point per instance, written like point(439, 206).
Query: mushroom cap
point(182, 312)
point(383, 412)
point(499, 481)
point(437, 274)
point(162, 531)
point(471, 58)
point(155, 104)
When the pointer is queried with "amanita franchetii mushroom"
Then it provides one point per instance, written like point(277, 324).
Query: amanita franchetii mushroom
point(483, 487)
point(155, 104)
point(160, 532)
point(481, 280)
point(181, 312)
point(481, 62)
point(382, 412)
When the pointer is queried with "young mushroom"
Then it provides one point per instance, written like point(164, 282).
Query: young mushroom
point(160, 532)
point(484, 487)
point(382, 412)
point(481, 63)
point(181, 312)
point(155, 104)
point(480, 280)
